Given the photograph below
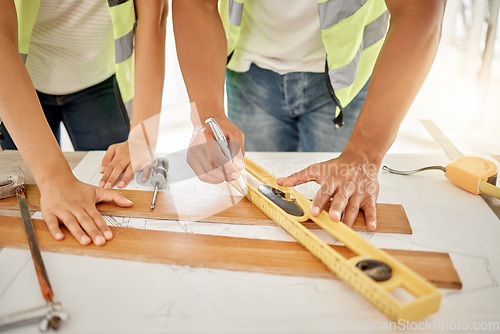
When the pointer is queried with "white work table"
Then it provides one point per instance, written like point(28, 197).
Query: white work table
point(117, 296)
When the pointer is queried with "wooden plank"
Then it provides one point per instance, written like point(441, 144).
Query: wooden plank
point(12, 158)
point(240, 254)
point(391, 218)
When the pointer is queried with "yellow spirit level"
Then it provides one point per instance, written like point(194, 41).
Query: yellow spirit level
point(372, 272)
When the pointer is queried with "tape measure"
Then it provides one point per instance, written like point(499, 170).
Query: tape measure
point(474, 174)
point(357, 271)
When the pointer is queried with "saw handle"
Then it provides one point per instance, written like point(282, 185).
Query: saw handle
point(9, 180)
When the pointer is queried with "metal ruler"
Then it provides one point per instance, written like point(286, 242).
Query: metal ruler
point(357, 271)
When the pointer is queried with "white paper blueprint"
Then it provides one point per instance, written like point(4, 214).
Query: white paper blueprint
point(117, 296)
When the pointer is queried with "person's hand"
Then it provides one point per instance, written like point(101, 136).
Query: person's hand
point(349, 183)
point(73, 203)
point(116, 162)
point(206, 158)
point(131, 156)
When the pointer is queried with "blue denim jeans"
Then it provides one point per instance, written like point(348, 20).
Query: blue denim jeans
point(93, 117)
point(291, 112)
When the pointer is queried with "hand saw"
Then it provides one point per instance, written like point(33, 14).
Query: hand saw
point(51, 314)
point(372, 273)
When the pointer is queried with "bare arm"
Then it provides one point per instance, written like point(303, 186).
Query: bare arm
point(64, 199)
point(149, 78)
point(201, 49)
point(20, 108)
point(202, 53)
point(402, 66)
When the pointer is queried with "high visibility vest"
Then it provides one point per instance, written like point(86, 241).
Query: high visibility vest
point(353, 32)
point(123, 18)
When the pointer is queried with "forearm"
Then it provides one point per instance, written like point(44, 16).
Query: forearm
point(22, 113)
point(149, 59)
point(201, 50)
point(402, 66)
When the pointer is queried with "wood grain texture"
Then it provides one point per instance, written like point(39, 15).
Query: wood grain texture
point(240, 254)
point(391, 218)
point(12, 158)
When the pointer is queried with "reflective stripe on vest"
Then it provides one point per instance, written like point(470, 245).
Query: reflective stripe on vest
point(122, 14)
point(26, 17)
point(231, 12)
point(123, 17)
point(235, 11)
point(352, 31)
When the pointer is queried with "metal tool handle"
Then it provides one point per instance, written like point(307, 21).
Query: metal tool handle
point(409, 172)
point(49, 315)
point(10, 179)
point(159, 175)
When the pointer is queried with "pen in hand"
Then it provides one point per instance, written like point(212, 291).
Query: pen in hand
point(223, 144)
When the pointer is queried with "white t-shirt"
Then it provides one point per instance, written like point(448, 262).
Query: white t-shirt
point(280, 35)
point(71, 46)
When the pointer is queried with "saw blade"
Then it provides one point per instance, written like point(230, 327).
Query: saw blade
point(41, 272)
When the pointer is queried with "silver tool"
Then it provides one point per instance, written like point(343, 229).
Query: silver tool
point(52, 313)
point(10, 179)
point(49, 316)
point(414, 171)
point(239, 183)
point(158, 177)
